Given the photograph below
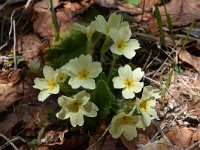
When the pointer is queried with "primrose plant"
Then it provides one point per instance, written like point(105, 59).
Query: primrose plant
point(97, 91)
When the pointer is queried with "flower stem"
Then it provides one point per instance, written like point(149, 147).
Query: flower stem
point(55, 22)
point(105, 47)
point(115, 57)
point(89, 47)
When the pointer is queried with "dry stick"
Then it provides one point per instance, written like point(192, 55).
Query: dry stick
point(14, 139)
point(147, 60)
point(91, 146)
point(10, 31)
point(2, 28)
point(14, 45)
point(193, 146)
point(27, 4)
point(157, 83)
point(11, 143)
point(169, 56)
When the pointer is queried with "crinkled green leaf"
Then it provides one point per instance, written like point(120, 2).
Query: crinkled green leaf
point(103, 97)
point(71, 44)
point(134, 2)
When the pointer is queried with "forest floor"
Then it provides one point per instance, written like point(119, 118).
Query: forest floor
point(26, 30)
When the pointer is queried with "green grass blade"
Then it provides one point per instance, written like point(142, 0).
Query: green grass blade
point(188, 33)
point(160, 25)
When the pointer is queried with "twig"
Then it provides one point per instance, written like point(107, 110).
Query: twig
point(147, 60)
point(27, 4)
point(152, 80)
point(91, 146)
point(193, 146)
point(14, 139)
point(10, 142)
point(161, 132)
point(14, 45)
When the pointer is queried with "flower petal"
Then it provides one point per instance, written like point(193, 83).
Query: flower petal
point(152, 112)
point(88, 84)
point(55, 90)
point(90, 110)
point(74, 82)
point(101, 24)
point(114, 34)
point(137, 74)
point(125, 32)
point(130, 132)
point(128, 94)
point(133, 44)
point(43, 95)
point(128, 53)
point(76, 119)
point(83, 96)
point(146, 117)
point(63, 114)
point(138, 87)
point(116, 130)
point(41, 84)
point(79, 27)
point(48, 72)
point(64, 100)
point(114, 20)
point(115, 50)
point(95, 69)
point(85, 60)
point(125, 71)
point(118, 83)
point(73, 66)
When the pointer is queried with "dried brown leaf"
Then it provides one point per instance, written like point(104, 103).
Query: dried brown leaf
point(11, 88)
point(190, 59)
point(180, 136)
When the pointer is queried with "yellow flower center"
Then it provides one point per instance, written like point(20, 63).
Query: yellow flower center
point(121, 45)
point(60, 77)
point(125, 120)
point(129, 83)
point(51, 84)
point(74, 105)
point(83, 74)
point(107, 29)
point(143, 105)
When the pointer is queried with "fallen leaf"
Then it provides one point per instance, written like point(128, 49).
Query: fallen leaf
point(180, 136)
point(8, 123)
point(11, 88)
point(52, 138)
point(157, 145)
point(28, 45)
point(182, 12)
point(42, 19)
point(190, 59)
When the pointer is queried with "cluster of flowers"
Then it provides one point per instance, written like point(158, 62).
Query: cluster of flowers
point(81, 71)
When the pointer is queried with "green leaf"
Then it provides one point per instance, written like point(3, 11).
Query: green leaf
point(160, 25)
point(71, 44)
point(178, 69)
point(103, 98)
point(134, 2)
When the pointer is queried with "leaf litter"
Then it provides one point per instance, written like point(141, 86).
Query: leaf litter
point(179, 127)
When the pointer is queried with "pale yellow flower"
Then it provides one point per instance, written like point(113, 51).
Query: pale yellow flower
point(114, 21)
point(61, 74)
point(47, 85)
point(123, 45)
point(128, 80)
point(76, 107)
point(88, 30)
point(146, 105)
point(82, 72)
point(124, 124)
